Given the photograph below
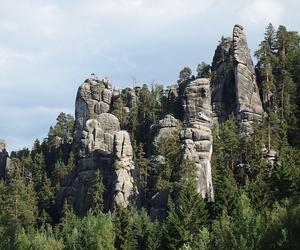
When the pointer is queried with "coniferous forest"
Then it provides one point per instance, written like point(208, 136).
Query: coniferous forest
point(255, 177)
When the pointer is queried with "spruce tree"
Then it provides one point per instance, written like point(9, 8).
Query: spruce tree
point(97, 193)
point(19, 208)
point(123, 228)
point(186, 217)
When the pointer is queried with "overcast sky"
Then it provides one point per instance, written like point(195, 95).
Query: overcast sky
point(48, 48)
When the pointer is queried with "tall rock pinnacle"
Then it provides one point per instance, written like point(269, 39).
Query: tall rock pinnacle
point(249, 105)
point(234, 88)
point(197, 138)
point(99, 145)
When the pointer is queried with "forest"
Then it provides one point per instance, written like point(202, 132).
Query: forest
point(256, 202)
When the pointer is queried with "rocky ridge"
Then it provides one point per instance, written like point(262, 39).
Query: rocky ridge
point(100, 144)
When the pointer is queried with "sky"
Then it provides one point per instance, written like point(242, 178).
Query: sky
point(48, 48)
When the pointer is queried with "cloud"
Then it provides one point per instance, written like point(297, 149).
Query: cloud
point(48, 48)
point(24, 125)
point(258, 12)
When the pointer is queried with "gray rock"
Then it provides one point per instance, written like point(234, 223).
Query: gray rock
point(196, 137)
point(249, 105)
point(99, 145)
point(4, 160)
point(123, 148)
point(196, 102)
point(223, 83)
point(130, 96)
point(164, 129)
point(93, 99)
point(126, 185)
point(234, 88)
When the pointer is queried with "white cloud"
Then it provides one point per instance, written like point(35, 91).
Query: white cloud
point(47, 48)
point(262, 12)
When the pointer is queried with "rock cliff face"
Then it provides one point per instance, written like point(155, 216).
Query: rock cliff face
point(99, 145)
point(127, 176)
point(234, 88)
point(223, 83)
point(3, 160)
point(249, 105)
point(197, 138)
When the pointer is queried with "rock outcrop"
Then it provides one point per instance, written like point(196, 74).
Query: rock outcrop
point(249, 105)
point(223, 83)
point(3, 160)
point(93, 99)
point(99, 145)
point(159, 133)
point(126, 190)
point(234, 88)
point(197, 138)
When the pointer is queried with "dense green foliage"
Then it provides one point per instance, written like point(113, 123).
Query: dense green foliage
point(257, 204)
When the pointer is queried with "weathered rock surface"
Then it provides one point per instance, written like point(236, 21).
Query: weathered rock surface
point(234, 88)
point(249, 105)
point(93, 99)
point(223, 83)
point(159, 133)
point(164, 129)
point(126, 184)
point(197, 138)
point(99, 145)
point(3, 160)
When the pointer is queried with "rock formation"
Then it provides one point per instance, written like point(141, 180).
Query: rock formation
point(127, 176)
point(197, 138)
point(99, 145)
point(234, 88)
point(249, 105)
point(3, 160)
point(223, 83)
point(160, 132)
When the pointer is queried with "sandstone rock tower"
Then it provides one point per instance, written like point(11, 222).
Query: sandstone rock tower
point(197, 138)
point(249, 105)
point(234, 88)
point(99, 144)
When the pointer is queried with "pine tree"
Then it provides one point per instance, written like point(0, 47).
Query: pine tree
point(185, 74)
point(18, 207)
point(97, 193)
point(142, 163)
point(148, 233)
point(187, 217)
point(123, 228)
point(118, 110)
point(203, 70)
